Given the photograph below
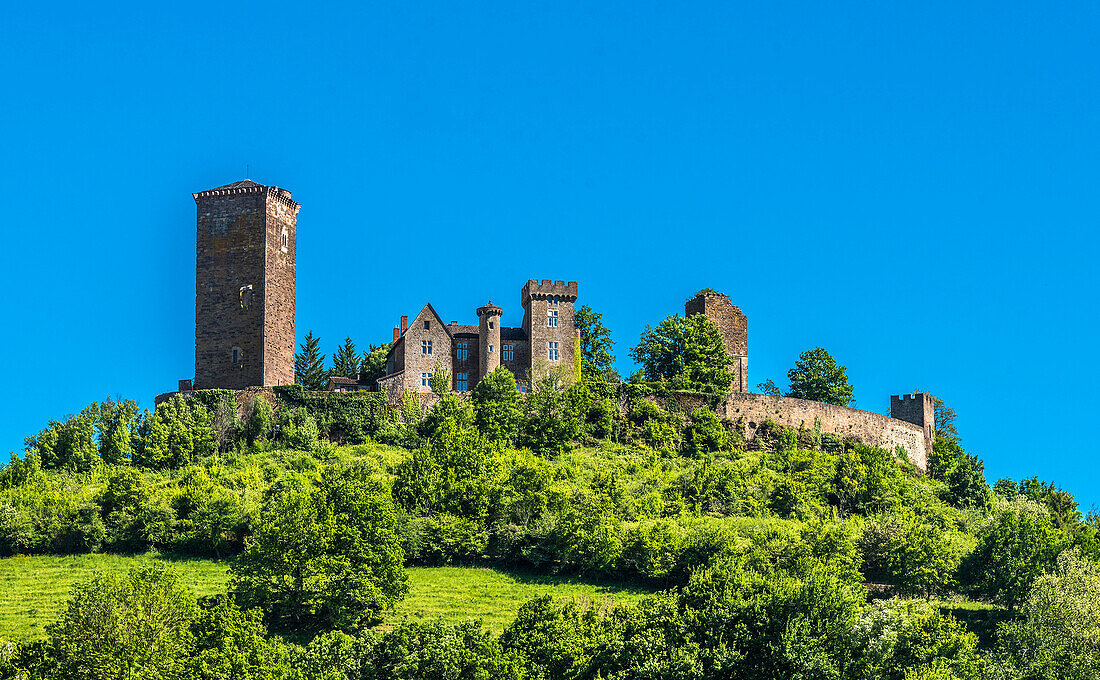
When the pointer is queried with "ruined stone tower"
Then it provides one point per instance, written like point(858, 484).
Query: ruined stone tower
point(244, 286)
point(734, 326)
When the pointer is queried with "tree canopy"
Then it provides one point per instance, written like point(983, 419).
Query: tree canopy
point(597, 361)
point(687, 353)
point(818, 377)
point(309, 364)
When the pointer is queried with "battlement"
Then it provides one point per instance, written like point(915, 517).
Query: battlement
point(248, 187)
point(489, 309)
point(534, 289)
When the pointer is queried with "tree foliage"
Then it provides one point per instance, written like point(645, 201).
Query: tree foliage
point(597, 359)
point(346, 360)
point(309, 364)
point(817, 376)
point(324, 555)
point(687, 353)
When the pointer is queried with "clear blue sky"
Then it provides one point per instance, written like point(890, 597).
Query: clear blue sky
point(912, 187)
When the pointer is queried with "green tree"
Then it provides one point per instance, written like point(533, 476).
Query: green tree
point(118, 422)
point(816, 376)
point(261, 419)
point(705, 433)
point(597, 361)
point(346, 360)
point(1019, 543)
point(325, 555)
point(373, 365)
point(230, 644)
point(171, 435)
point(309, 364)
point(770, 388)
point(441, 651)
point(497, 405)
point(132, 626)
point(687, 352)
point(1059, 633)
point(69, 444)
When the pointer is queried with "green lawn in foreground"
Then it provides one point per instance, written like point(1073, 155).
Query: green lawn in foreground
point(33, 590)
point(493, 596)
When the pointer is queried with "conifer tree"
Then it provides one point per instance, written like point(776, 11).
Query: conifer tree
point(309, 364)
point(346, 360)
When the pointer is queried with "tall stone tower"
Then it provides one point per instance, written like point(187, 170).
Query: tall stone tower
point(488, 322)
point(735, 331)
point(244, 286)
point(917, 408)
point(549, 324)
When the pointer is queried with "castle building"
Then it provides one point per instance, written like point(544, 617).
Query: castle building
point(244, 286)
point(734, 326)
point(546, 339)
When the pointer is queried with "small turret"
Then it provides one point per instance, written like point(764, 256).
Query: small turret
point(488, 320)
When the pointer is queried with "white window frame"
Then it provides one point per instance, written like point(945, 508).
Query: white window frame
point(552, 353)
point(425, 379)
point(551, 318)
point(426, 347)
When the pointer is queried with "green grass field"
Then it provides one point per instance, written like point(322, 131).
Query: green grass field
point(33, 590)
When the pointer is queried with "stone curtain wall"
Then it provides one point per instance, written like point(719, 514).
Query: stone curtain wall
point(749, 411)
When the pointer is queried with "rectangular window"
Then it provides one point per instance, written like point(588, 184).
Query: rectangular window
point(425, 379)
point(552, 318)
point(425, 346)
point(552, 351)
point(427, 325)
point(490, 324)
point(490, 348)
point(461, 352)
point(521, 387)
point(460, 382)
point(506, 352)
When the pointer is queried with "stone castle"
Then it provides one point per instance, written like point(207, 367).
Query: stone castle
point(244, 331)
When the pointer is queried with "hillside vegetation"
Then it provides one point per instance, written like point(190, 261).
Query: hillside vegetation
point(800, 557)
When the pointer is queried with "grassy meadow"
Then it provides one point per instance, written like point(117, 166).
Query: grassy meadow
point(33, 590)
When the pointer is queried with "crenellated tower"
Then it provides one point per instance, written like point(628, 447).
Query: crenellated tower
point(244, 286)
point(548, 322)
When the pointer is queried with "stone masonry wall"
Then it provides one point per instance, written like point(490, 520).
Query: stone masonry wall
point(280, 288)
point(230, 235)
point(536, 303)
point(749, 411)
point(733, 324)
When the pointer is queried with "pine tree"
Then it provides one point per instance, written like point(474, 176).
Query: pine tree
point(346, 360)
point(309, 364)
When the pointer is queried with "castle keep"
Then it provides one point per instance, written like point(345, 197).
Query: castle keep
point(244, 331)
point(244, 286)
point(546, 339)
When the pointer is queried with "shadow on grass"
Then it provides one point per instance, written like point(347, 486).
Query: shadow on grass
point(527, 575)
point(981, 622)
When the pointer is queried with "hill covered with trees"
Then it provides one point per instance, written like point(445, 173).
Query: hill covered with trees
point(794, 557)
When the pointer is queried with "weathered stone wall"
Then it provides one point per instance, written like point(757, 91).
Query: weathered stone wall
point(733, 324)
point(749, 411)
point(244, 286)
point(535, 298)
point(416, 362)
point(280, 288)
point(918, 409)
